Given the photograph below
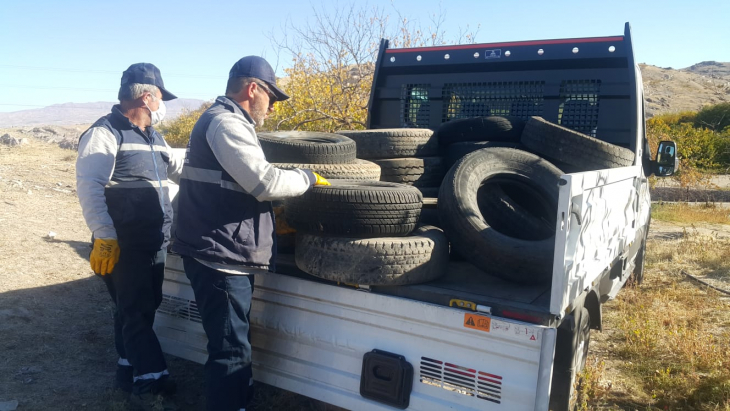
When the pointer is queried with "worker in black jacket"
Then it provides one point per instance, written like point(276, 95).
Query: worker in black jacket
point(225, 232)
point(121, 176)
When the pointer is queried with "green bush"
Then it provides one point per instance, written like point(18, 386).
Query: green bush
point(700, 149)
point(715, 117)
point(177, 131)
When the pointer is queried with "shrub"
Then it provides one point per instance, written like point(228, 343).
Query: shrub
point(715, 117)
point(699, 149)
point(177, 131)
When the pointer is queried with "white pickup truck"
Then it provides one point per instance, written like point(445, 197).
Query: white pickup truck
point(467, 341)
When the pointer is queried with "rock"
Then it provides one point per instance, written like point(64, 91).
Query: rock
point(69, 143)
point(11, 141)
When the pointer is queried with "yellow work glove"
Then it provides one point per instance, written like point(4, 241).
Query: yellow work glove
point(282, 228)
point(104, 255)
point(320, 181)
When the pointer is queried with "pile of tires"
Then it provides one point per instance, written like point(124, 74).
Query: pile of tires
point(358, 230)
point(498, 202)
point(405, 155)
point(332, 156)
point(366, 233)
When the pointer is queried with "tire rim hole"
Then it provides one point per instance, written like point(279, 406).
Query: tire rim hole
point(523, 199)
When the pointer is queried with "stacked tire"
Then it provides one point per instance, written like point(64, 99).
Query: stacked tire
point(330, 155)
point(405, 155)
point(365, 233)
point(358, 230)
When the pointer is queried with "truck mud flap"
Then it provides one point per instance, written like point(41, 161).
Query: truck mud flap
point(386, 378)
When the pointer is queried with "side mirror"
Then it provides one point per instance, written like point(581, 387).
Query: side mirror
point(667, 161)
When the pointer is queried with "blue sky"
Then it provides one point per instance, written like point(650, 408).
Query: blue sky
point(62, 51)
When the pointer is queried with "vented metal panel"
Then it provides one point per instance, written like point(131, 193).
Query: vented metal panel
point(463, 380)
point(579, 105)
point(179, 308)
point(519, 98)
point(415, 105)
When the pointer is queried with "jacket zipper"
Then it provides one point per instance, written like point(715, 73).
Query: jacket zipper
point(157, 174)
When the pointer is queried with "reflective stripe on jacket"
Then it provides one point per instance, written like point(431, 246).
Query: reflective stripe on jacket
point(224, 213)
point(135, 195)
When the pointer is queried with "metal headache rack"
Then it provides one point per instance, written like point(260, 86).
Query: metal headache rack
point(585, 84)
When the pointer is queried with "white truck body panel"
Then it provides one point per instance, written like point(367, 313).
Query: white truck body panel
point(310, 338)
point(597, 220)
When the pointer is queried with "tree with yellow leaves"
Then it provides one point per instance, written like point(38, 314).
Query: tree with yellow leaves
point(334, 61)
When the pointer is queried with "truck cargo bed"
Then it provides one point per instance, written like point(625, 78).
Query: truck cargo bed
point(464, 282)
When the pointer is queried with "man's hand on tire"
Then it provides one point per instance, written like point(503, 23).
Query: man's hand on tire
point(321, 181)
point(104, 256)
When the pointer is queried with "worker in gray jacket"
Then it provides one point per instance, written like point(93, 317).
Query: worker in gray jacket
point(225, 230)
point(121, 177)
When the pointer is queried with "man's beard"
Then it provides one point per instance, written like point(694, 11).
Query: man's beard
point(258, 112)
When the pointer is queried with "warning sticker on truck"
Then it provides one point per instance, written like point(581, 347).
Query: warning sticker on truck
point(477, 322)
point(523, 332)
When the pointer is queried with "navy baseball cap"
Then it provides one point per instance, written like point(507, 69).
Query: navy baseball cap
point(146, 73)
point(257, 67)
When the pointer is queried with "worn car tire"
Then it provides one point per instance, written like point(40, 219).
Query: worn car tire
point(393, 142)
point(419, 172)
point(564, 145)
point(356, 208)
point(357, 170)
point(471, 234)
point(307, 147)
point(571, 351)
point(454, 152)
point(637, 275)
point(420, 257)
point(488, 128)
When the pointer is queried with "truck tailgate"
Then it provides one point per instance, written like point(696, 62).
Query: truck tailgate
point(310, 338)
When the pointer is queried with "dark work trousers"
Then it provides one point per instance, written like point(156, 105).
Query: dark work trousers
point(135, 286)
point(224, 303)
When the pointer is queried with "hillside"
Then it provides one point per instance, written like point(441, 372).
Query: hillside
point(668, 90)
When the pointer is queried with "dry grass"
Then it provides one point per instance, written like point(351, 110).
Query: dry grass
point(668, 338)
point(690, 214)
point(700, 255)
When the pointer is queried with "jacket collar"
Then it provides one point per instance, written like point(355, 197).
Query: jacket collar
point(123, 122)
point(235, 107)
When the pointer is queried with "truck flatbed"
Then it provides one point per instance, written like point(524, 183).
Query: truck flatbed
point(462, 282)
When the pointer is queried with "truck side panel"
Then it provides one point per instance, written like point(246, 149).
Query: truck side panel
point(597, 221)
point(310, 338)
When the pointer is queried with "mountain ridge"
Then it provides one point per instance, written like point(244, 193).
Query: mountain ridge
point(65, 114)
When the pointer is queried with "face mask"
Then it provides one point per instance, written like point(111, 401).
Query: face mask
point(157, 115)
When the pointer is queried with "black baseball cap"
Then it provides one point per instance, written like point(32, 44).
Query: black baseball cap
point(257, 67)
point(146, 73)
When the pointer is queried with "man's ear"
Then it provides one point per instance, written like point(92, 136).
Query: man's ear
point(251, 90)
